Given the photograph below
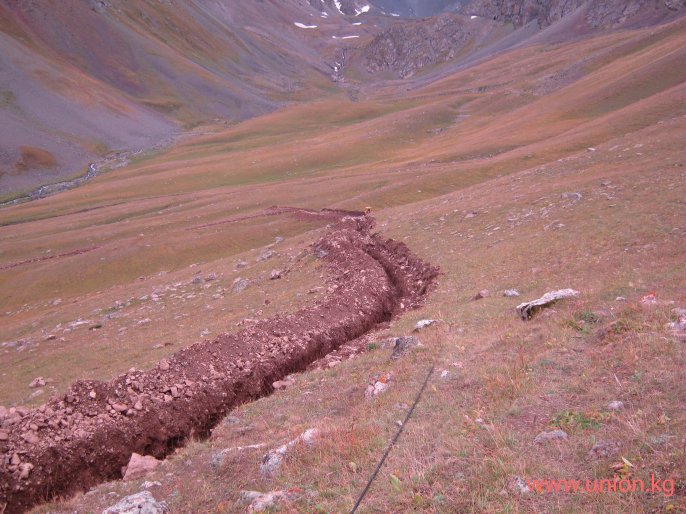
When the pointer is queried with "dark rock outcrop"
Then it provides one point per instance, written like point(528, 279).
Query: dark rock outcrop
point(599, 14)
point(407, 47)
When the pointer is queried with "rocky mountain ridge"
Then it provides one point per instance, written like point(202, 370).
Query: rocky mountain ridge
point(599, 14)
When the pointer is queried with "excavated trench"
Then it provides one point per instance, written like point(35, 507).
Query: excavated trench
point(87, 435)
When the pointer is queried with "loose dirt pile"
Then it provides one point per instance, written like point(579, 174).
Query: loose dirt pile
point(88, 435)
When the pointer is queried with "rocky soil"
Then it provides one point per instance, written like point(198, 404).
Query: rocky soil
point(89, 434)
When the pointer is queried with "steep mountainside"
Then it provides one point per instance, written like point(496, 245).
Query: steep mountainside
point(408, 46)
point(485, 28)
point(599, 14)
point(81, 79)
point(94, 81)
point(418, 8)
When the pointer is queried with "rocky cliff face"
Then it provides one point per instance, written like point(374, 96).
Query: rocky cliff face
point(418, 8)
point(600, 14)
point(409, 46)
point(347, 7)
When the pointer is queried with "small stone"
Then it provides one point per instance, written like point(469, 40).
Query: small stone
point(620, 299)
point(241, 264)
point(571, 196)
point(333, 364)
point(484, 293)
point(445, 374)
point(423, 323)
point(511, 293)
point(140, 503)
point(148, 484)
point(527, 309)
point(615, 405)
point(604, 449)
point(283, 384)
point(4, 436)
point(271, 461)
point(25, 470)
point(139, 466)
point(275, 274)
point(404, 345)
point(138, 405)
point(378, 385)
point(519, 486)
point(37, 382)
point(267, 502)
point(119, 407)
point(267, 254)
point(649, 300)
point(218, 459)
point(164, 365)
point(552, 435)
point(93, 394)
point(211, 277)
point(196, 281)
point(30, 438)
point(240, 284)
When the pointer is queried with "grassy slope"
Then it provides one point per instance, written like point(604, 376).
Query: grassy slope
point(423, 165)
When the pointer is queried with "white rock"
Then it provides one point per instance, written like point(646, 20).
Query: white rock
point(528, 309)
point(140, 503)
point(271, 461)
point(423, 323)
point(37, 382)
point(615, 405)
point(520, 486)
point(553, 435)
point(140, 465)
point(260, 502)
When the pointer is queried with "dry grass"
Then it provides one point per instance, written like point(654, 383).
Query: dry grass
point(486, 200)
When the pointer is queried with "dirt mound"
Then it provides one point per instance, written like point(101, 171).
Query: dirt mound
point(88, 435)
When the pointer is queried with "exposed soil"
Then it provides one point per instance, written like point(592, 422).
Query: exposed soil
point(49, 257)
point(274, 210)
point(87, 435)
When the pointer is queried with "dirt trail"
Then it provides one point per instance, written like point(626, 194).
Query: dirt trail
point(274, 210)
point(48, 257)
point(87, 435)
